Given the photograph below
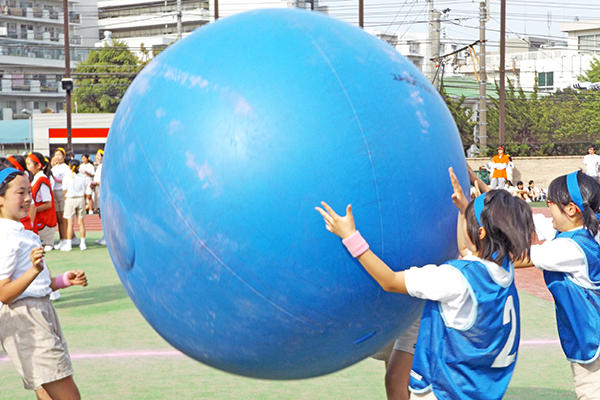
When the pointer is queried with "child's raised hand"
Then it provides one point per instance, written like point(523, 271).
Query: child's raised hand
point(341, 226)
point(77, 278)
point(458, 197)
point(37, 258)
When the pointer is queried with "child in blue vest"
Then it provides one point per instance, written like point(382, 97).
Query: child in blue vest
point(571, 265)
point(469, 334)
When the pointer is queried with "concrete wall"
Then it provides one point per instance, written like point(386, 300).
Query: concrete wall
point(541, 169)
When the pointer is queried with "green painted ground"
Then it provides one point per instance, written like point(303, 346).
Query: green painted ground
point(101, 318)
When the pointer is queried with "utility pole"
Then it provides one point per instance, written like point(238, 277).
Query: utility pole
point(67, 82)
point(361, 13)
point(179, 19)
point(434, 42)
point(216, 9)
point(502, 62)
point(482, 78)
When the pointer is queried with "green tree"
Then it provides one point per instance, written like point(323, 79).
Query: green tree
point(101, 80)
point(592, 74)
point(463, 117)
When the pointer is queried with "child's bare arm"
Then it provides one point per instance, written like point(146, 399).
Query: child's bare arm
point(344, 227)
point(10, 290)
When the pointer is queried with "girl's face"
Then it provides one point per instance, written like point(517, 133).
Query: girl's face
point(84, 159)
point(32, 166)
point(99, 157)
point(59, 156)
point(565, 219)
point(15, 203)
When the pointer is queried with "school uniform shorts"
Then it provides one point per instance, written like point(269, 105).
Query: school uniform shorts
point(59, 200)
point(32, 338)
point(74, 206)
point(47, 235)
point(407, 342)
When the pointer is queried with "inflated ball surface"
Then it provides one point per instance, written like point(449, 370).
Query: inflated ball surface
point(218, 154)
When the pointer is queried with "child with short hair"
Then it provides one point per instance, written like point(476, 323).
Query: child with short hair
point(570, 259)
point(469, 333)
point(30, 332)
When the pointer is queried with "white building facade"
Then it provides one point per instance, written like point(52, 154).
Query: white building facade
point(147, 26)
point(32, 52)
point(553, 64)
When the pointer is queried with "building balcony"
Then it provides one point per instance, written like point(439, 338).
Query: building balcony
point(37, 14)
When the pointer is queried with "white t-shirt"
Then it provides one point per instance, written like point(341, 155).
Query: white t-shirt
point(74, 185)
point(16, 244)
point(83, 168)
point(449, 286)
point(43, 194)
point(591, 161)
point(98, 174)
point(59, 171)
point(560, 254)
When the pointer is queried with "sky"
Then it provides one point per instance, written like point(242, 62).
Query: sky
point(524, 17)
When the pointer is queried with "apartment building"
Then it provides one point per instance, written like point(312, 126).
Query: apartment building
point(150, 25)
point(32, 52)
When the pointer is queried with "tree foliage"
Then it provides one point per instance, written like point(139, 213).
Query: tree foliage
point(106, 74)
point(463, 117)
point(592, 74)
point(562, 123)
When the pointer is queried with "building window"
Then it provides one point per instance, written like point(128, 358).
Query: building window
point(589, 43)
point(546, 81)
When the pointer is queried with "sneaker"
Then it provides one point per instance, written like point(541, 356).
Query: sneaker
point(101, 241)
point(59, 245)
point(48, 248)
point(66, 247)
point(82, 246)
point(54, 295)
point(75, 241)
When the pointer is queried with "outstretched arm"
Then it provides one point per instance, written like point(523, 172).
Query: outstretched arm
point(344, 227)
point(460, 201)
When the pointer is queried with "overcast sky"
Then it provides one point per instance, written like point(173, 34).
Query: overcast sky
point(524, 17)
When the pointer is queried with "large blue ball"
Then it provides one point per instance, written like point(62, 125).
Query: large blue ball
point(218, 154)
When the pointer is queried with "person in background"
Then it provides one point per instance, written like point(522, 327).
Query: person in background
point(87, 170)
point(44, 213)
point(95, 185)
point(59, 170)
point(74, 188)
point(591, 161)
point(499, 164)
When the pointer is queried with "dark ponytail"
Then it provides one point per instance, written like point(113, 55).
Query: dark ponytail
point(508, 223)
point(558, 192)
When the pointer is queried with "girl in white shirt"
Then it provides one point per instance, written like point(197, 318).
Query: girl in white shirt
point(469, 333)
point(570, 259)
point(30, 331)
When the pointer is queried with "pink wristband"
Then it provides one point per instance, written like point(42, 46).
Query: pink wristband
point(62, 281)
point(355, 244)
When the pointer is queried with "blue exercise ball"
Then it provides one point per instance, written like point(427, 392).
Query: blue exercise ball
point(218, 154)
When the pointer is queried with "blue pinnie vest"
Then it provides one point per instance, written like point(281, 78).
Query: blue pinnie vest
point(578, 308)
point(477, 362)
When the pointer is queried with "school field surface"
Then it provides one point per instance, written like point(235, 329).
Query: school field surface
point(117, 355)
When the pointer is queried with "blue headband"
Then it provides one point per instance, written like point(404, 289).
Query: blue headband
point(574, 191)
point(5, 173)
point(478, 207)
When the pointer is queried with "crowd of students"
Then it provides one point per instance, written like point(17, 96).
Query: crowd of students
point(62, 189)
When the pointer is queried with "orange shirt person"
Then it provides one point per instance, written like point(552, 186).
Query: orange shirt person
point(499, 163)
